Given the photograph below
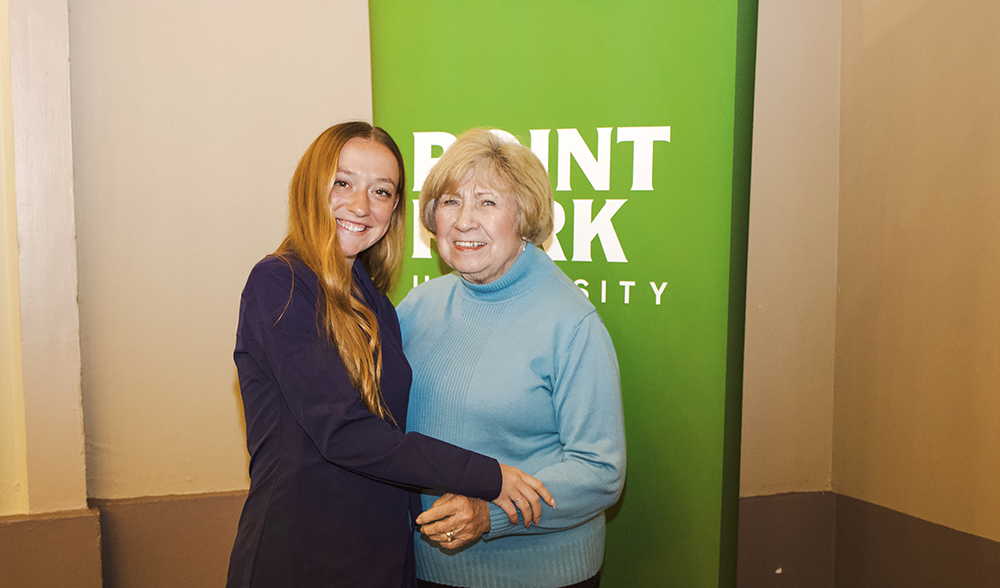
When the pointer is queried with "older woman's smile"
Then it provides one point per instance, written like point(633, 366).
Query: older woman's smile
point(476, 230)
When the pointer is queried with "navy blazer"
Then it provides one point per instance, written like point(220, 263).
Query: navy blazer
point(328, 502)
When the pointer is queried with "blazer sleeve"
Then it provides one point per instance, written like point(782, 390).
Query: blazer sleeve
point(280, 331)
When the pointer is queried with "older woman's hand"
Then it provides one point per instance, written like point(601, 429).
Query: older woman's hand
point(521, 492)
point(455, 520)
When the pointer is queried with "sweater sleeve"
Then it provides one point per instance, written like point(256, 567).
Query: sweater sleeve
point(280, 331)
point(587, 400)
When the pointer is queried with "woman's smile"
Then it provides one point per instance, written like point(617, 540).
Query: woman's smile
point(351, 226)
point(364, 194)
point(476, 230)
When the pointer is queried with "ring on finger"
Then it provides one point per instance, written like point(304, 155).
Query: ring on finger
point(450, 536)
point(517, 500)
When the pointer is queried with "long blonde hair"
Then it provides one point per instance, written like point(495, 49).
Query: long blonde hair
point(312, 237)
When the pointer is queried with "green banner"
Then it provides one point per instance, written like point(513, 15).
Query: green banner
point(640, 111)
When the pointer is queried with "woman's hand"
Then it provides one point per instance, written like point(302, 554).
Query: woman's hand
point(521, 491)
point(454, 520)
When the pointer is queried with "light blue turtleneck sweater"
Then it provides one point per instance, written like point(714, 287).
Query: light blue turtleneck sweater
point(523, 370)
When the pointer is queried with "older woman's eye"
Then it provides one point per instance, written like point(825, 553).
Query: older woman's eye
point(489, 202)
point(449, 201)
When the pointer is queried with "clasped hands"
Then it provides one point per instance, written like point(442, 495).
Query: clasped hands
point(454, 520)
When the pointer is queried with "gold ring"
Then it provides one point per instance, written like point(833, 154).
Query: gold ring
point(450, 536)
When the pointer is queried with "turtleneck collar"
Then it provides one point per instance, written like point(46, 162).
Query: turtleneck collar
point(530, 267)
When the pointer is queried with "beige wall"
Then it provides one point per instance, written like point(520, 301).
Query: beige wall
point(189, 118)
point(43, 447)
point(13, 455)
point(792, 266)
point(873, 295)
point(917, 398)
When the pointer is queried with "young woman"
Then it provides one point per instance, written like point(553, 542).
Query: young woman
point(325, 387)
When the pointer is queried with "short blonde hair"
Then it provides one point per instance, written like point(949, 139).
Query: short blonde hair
point(500, 164)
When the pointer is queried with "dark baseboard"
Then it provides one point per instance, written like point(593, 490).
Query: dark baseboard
point(57, 550)
point(880, 547)
point(816, 539)
point(827, 540)
point(168, 541)
point(787, 540)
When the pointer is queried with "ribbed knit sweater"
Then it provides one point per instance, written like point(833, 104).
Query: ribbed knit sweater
point(521, 369)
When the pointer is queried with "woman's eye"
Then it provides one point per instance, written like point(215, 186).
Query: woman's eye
point(341, 183)
point(449, 201)
point(383, 193)
point(489, 203)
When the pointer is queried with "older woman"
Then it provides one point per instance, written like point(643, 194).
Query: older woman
point(325, 386)
point(510, 359)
